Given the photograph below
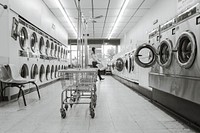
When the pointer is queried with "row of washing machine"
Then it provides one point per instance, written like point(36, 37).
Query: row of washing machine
point(34, 53)
point(173, 54)
point(124, 66)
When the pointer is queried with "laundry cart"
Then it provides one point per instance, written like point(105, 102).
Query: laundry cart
point(79, 87)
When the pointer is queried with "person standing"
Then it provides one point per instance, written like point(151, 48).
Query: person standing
point(96, 61)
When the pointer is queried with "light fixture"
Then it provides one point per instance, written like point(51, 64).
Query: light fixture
point(60, 6)
point(118, 18)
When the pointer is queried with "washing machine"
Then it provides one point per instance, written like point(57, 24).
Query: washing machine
point(146, 53)
point(41, 45)
point(133, 68)
point(187, 78)
point(25, 39)
point(166, 47)
point(154, 39)
point(119, 64)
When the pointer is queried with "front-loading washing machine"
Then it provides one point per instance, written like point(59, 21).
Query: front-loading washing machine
point(41, 46)
point(188, 55)
point(166, 47)
point(119, 65)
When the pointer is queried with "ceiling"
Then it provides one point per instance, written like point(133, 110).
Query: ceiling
point(107, 9)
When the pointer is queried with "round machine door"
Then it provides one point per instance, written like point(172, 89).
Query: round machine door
point(126, 63)
point(41, 45)
point(24, 71)
point(48, 72)
point(47, 48)
point(130, 63)
point(23, 36)
point(33, 41)
point(56, 71)
point(145, 55)
point(165, 53)
point(52, 49)
point(55, 50)
point(42, 73)
point(186, 49)
point(34, 71)
point(52, 71)
point(119, 64)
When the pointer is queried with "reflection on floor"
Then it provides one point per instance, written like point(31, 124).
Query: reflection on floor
point(119, 110)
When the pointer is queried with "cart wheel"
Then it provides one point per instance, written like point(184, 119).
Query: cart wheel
point(91, 105)
point(95, 97)
point(63, 113)
point(74, 99)
point(66, 107)
point(95, 88)
point(92, 114)
point(94, 104)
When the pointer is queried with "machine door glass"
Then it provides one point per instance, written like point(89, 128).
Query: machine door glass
point(47, 48)
point(55, 50)
point(34, 71)
point(52, 71)
point(42, 73)
point(52, 48)
point(33, 41)
point(126, 63)
point(23, 36)
point(58, 52)
point(165, 53)
point(145, 55)
point(64, 54)
point(61, 53)
point(130, 63)
point(48, 72)
point(41, 45)
point(24, 71)
point(119, 64)
point(186, 49)
point(56, 70)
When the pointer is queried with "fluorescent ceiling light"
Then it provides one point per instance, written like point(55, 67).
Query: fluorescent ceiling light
point(60, 6)
point(118, 18)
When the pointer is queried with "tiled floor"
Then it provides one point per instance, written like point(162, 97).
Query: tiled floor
point(119, 110)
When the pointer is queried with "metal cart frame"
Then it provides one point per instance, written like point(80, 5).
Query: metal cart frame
point(77, 84)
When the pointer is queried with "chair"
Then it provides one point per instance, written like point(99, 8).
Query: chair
point(13, 79)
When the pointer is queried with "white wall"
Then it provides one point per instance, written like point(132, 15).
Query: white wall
point(4, 33)
point(37, 13)
point(163, 10)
